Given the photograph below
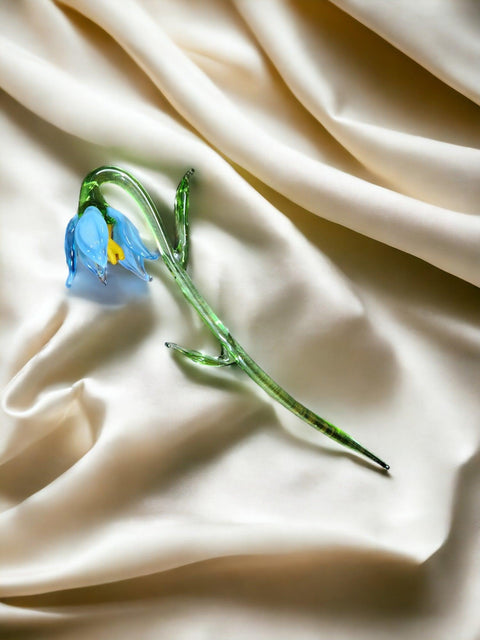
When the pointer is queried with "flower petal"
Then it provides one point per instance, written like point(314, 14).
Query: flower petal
point(97, 269)
point(70, 252)
point(134, 263)
point(125, 233)
point(91, 240)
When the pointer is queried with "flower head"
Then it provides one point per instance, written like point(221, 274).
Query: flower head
point(96, 238)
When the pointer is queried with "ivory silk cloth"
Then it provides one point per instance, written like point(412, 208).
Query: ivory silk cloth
point(335, 230)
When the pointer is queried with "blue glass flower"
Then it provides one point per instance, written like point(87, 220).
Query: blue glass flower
point(96, 239)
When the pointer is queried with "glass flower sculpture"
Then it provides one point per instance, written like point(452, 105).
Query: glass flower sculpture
point(98, 234)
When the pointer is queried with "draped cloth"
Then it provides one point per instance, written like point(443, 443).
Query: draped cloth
point(335, 230)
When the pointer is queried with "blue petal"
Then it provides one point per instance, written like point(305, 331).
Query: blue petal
point(70, 252)
point(125, 233)
point(91, 240)
point(134, 263)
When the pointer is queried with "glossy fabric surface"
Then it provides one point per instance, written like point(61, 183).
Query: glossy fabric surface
point(334, 229)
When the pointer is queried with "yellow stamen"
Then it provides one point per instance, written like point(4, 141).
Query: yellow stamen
point(114, 250)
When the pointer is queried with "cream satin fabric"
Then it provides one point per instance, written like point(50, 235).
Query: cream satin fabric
point(335, 230)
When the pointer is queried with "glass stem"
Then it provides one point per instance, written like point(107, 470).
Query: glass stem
point(229, 344)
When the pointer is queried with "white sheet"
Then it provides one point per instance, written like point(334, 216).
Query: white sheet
point(335, 230)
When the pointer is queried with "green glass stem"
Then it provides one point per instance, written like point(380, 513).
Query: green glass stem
point(175, 259)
